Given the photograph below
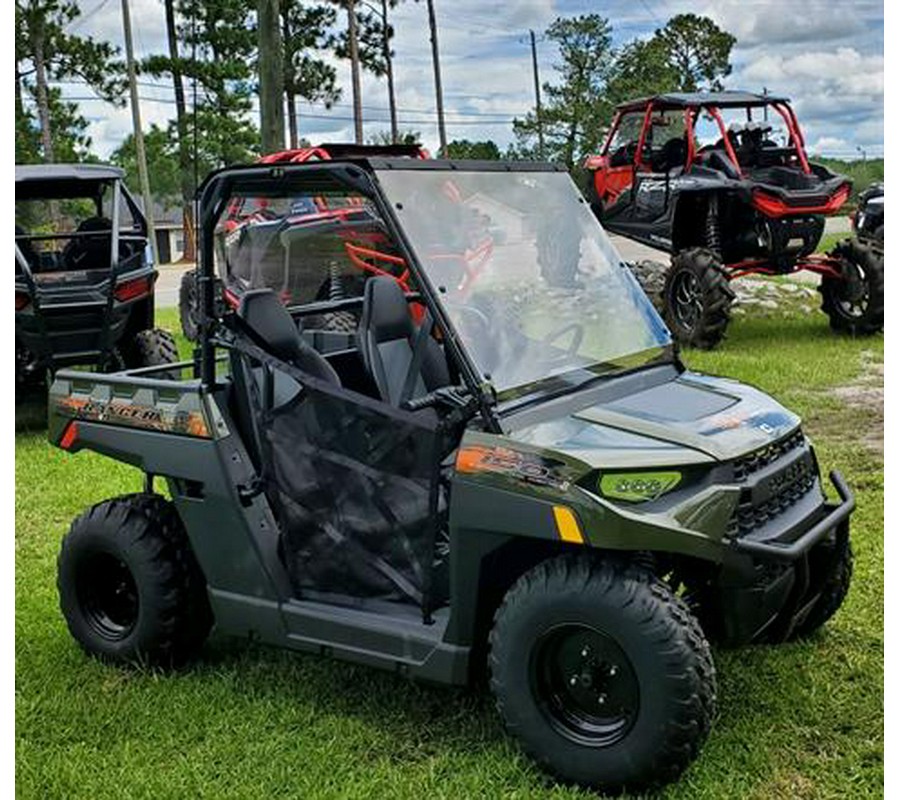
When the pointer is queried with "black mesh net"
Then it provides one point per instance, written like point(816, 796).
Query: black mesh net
point(354, 485)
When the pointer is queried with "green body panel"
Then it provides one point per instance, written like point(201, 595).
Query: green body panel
point(690, 421)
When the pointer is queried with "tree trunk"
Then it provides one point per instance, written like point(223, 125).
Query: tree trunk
point(43, 99)
point(185, 167)
point(292, 120)
point(389, 67)
point(271, 77)
point(289, 94)
point(354, 70)
point(438, 90)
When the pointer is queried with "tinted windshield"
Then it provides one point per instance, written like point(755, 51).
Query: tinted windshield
point(528, 277)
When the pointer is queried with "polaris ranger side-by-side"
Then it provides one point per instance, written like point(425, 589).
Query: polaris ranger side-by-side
point(721, 180)
point(487, 474)
point(84, 280)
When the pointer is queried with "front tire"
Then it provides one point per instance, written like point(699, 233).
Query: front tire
point(834, 591)
point(129, 586)
point(697, 298)
point(855, 303)
point(602, 674)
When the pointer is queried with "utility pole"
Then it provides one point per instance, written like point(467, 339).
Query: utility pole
point(184, 154)
point(392, 100)
point(438, 91)
point(271, 76)
point(140, 153)
point(353, 42)
point(537, 97)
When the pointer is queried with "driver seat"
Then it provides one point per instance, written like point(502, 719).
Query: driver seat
point(387, 342)
point(266, 315)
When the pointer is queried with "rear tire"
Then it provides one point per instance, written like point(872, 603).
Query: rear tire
point(602, 674)
point(153, 348)
point(855, 304)
point(129, 586)
point(697, 298)
point(188, 309)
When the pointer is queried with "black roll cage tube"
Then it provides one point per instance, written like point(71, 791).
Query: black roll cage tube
point(359, 176)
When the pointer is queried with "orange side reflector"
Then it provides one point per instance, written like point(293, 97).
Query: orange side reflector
point(69, 436)
point(567, 525)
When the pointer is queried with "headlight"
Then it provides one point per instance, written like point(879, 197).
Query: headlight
point(637, 487)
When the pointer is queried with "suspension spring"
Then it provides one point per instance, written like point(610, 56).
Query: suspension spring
point(713, 240)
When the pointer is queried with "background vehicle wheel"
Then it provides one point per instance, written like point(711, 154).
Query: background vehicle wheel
point(129, 586)
point(651, 275)
point(153, 348)
point(697, 298)
point(187, 306)
point(855, 304)
point(837, 584)
point(601, 673)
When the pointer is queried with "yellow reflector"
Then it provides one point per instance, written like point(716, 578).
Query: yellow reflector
point(567, 525)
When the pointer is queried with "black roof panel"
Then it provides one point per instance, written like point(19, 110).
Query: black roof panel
point(723, 99)
point(55, 172)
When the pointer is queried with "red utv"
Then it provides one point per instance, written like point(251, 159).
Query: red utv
point(721, 180)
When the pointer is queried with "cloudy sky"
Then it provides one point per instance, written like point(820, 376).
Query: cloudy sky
point(827, 56)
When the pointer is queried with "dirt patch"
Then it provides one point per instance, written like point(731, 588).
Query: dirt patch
point(866, 394)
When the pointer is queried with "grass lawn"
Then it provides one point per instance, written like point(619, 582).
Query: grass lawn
point(797, 721)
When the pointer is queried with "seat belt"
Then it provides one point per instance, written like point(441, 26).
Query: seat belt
point(415, 364)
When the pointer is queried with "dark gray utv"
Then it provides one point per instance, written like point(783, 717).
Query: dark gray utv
point(84, 277)
point(492, 473)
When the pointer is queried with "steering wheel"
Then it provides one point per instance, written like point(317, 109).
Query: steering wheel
point(577, 331)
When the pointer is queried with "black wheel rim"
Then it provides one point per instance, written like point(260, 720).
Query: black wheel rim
point(585, 685)
point(686, 300)
point(852, 298)
point(108, 596)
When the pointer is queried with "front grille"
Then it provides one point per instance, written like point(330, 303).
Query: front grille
point(755, 461)
point(749, 517)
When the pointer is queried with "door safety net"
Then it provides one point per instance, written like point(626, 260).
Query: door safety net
point(354, 484)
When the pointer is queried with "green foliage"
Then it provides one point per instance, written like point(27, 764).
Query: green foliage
point(307, 28)
point(642, 68)
point(689, 53)
point(575, 110)
point(71, 143)
point(403, 137)
point(160, 146)
point(221, 36)
point(463, 148)
point(44, 24)
point(698, 50)
point(862, 173)
point(43, 38)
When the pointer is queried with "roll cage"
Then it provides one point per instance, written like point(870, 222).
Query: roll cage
point(711, 104)
point(311, 177)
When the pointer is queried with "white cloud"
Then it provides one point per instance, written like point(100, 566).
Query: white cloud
point(827, 57)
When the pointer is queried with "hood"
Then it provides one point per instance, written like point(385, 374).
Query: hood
point(692, 419)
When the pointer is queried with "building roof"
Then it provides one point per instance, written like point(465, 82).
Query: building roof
point(726, 99)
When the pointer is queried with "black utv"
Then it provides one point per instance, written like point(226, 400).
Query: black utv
point(868, 219)
point(484, 476)
point(84, 277)
point(721, 181)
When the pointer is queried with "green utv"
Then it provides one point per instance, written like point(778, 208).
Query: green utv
point(492, 472)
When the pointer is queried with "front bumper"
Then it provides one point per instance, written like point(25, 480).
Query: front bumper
point(767, 588)
point(836, 514)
